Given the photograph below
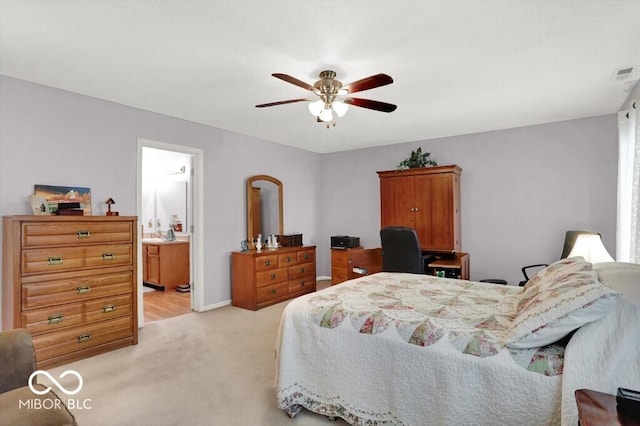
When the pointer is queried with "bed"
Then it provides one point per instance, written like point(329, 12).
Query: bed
point(408, 349)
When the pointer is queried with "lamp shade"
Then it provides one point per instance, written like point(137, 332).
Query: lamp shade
point(591, 248)
point(340, 107)
point(326, 114)
point(315, 107)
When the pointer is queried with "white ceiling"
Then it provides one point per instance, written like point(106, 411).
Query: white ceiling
point(459, 66)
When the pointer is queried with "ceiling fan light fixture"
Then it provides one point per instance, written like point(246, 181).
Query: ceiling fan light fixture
point(340, 107)
point(326, 114)
point(333, 97)
point(315, 107)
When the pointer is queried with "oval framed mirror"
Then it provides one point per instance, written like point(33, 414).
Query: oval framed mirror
point(264, 206)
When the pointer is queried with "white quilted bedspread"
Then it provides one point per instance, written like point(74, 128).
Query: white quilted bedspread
point(395, 358)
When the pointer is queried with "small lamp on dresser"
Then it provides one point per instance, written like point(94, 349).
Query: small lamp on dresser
point(109, 212)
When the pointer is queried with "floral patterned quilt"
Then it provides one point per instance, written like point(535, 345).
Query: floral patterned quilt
point(403, 349)
point(472, 317)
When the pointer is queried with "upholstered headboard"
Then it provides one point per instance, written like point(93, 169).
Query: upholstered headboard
point(621, 276)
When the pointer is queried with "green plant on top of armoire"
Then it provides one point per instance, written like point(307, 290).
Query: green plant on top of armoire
point(417, 159)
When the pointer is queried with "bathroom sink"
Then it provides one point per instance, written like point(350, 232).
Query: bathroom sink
point(156, 240)
point(153, 240)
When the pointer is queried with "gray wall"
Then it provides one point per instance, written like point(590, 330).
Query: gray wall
point(521, 190)
point(50, 136)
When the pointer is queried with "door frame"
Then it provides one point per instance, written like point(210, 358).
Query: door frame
point(196, 231)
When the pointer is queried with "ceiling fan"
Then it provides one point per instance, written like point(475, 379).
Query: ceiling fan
point(333, 96)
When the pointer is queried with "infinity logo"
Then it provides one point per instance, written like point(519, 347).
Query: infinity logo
point(50, 377)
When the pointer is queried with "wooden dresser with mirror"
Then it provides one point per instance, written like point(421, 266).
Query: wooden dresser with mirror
point(263, 277)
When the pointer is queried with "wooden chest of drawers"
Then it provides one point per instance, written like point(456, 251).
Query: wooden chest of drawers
point(262, 278)
point(70, 281)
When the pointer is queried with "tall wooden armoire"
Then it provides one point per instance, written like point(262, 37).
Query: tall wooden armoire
point(427, 200)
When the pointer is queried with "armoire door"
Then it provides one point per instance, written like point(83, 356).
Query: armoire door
point(424, 203)
point(396, 201)
point(443, 213)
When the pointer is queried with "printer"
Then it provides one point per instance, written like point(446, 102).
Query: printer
point(344, 242)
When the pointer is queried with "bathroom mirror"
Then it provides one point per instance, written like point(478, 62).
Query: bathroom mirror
point(264, 206)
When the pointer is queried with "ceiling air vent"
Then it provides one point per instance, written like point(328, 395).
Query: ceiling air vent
point(622, 74)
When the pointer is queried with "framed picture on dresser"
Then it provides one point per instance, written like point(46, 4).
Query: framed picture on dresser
point(39, 205)
point(64, 194)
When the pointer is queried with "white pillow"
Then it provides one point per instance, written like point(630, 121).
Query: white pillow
point(621, 276)
point(567, 303)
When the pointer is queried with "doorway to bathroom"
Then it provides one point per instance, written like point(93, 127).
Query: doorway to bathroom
point(169, 262)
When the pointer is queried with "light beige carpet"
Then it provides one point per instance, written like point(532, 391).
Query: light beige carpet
point(211, 368)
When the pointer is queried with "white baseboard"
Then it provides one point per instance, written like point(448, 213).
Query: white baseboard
point(216, 305)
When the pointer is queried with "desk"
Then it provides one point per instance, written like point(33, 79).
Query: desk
point(369, 260)
point(343, 261)
point(599, 409)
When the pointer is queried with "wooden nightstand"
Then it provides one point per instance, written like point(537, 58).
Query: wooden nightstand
point(599, 409)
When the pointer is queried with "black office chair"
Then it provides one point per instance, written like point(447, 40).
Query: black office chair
point(401, 250)
point(569, 241)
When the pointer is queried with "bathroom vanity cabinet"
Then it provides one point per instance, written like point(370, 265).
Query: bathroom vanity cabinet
point(165, 263)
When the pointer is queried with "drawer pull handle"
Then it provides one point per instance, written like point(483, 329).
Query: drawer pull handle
point(57, 260)
point(306, 255)
point(83, 289)
point(84, 337)
point(267, 262)
point(302, 283)
point(108, 308)
point(287, 259)
point(108, 256)
point(273, 276)
point(273, 291)
point(301, 270)
point(55, 319)
point(83, 234)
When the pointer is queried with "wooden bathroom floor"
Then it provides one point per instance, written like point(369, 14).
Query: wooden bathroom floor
point(165, 304)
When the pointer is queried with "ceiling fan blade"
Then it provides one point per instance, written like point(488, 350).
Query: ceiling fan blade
point(370, 104)
point(369, 83)
point(290, 101)
point(293, 80)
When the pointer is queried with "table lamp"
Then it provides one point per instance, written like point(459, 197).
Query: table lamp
point(590, 247)
point(108, 203)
